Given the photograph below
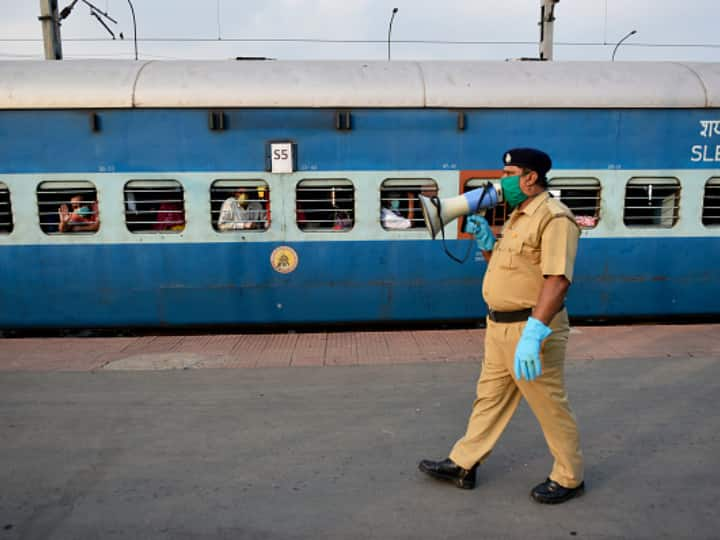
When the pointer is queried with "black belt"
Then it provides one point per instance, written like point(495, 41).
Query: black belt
point(509, 316)
point(512, 316)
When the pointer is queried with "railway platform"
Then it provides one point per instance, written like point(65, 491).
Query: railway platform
point(318, 435)
point(293, 349)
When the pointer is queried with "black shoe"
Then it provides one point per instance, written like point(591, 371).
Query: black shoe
point(448, 470)
point(550, 492)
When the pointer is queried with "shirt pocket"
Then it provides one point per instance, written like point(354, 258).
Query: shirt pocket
point(510, 250)
point(531, 253)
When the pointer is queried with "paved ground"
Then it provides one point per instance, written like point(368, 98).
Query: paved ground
point(331, 452)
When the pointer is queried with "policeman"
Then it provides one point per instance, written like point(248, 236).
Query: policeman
point(529, 272)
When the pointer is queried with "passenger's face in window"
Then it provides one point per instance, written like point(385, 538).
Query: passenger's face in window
point(76, 202)
point(394, 200)
point(241, 197)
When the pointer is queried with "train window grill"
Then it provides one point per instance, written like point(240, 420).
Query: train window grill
point(154, 206)
point(652, 202)
point(68, 207)
point(581, 196)
point(325, 205)
point(399, 204)
point(496, 216)
point(6, 216)
point(228, 210)
point(711, 203)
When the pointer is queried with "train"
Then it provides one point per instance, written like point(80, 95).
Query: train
point(119, 181)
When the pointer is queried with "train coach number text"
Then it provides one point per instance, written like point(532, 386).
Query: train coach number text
point(281, 157)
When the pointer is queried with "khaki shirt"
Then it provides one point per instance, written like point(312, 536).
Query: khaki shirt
point(540, 240)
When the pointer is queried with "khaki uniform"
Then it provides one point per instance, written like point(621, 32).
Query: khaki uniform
point(538, 241)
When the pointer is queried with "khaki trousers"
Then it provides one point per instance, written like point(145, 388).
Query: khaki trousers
point(499, 393)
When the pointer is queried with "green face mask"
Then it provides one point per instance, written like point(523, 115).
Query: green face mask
point(511, 191)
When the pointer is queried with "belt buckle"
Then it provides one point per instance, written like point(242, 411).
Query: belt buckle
point(491, 314)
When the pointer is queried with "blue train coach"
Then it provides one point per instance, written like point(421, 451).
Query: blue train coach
point(242, 193)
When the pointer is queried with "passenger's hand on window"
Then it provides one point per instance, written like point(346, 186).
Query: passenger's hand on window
point(64, 213)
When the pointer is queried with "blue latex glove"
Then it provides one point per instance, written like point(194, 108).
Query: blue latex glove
point(478, 226)
point(527, 353)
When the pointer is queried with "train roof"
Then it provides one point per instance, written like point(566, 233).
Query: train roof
point(91, 84)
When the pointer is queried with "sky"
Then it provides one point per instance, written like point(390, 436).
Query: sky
point(667, 30)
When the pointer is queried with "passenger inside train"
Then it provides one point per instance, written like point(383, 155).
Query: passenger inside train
point(264, 202)
point(342, 221)
point(80, 217)
point(390, 214)
point(170, 217)
point(239, 213)
point(325, 206)
point(154, 206)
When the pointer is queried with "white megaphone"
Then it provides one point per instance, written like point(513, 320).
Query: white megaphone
point(440, 212)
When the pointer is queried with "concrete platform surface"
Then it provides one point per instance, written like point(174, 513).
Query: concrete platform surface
point(335, 348)
point(332, 452)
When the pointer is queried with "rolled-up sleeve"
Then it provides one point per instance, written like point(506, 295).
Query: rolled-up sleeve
point(559, 247)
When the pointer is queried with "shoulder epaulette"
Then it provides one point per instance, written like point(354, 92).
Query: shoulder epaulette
point(558, 209)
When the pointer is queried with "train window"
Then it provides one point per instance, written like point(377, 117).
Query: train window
point(240, 205)
point(581, 195)
point(154, 206)
point(399, 203)
point(6, 217)
point(711, 203)
point(325, 205)
point(652, 202)
point(496, 216)
point(68, 207)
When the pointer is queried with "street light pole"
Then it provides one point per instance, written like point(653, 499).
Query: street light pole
point(394, 11)
point(620, 42)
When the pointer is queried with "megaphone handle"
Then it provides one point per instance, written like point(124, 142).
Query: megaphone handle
point(485, 190)
point(478, 210)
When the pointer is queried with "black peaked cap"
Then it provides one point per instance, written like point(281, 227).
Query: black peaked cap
point(529, 158)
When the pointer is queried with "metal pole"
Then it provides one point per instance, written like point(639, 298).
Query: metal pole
point(132, 11)
point(394, 11)
point(547, 18)
point(620, 42)
point(51, 29)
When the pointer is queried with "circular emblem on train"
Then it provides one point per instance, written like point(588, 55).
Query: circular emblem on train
point(284, 259)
